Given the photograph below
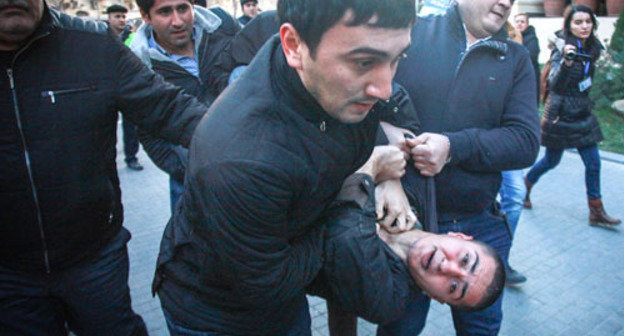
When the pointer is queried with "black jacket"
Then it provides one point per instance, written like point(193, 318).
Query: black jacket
point(360, 272)
point(218, 28)
point(59, 190)
point(263, 166)
point(568, 119)
point(530, 41)
point(483, 99)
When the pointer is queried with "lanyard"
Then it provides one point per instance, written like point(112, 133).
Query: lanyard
point(587, 63)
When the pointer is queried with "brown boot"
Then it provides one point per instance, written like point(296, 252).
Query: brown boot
point(598, 215)
point(527, 200)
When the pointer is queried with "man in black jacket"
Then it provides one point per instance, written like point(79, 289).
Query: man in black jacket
point(268, 159)
point(475, 96)
point(203, 73)
point(117, 23)
point(63, 258)
point(531, 42)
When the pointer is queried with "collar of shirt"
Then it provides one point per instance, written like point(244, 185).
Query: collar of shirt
point(189, 64)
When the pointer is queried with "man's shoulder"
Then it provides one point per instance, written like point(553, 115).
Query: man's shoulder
point(67, 22)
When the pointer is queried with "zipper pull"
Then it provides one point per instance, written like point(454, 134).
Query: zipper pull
point(10, 74)
point(50, 94)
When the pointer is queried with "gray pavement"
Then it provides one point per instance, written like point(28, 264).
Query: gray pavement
point(576, 272)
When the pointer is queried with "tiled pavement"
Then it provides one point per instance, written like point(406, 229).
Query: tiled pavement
point(576, 272)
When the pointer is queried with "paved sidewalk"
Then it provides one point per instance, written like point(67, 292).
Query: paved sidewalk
point(576, 272)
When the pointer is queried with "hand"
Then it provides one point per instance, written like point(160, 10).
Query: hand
point(430, 152)
point(397, 136)
point(385, 163)
point(566, 49)
point(394, 213)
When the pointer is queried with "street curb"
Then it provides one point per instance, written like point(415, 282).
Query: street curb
point(605, 156)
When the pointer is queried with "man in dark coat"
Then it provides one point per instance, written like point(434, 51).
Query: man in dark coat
point(250, 10)
point(203, 73)
point(267, 160)
point(531, 42)
point(63, 258)
point(474, 92)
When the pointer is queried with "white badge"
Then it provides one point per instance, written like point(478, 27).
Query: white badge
point(585, 84)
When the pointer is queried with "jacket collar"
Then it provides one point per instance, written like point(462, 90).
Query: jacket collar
point(290, 89)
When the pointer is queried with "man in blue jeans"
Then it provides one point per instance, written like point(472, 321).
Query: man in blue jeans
point(474, 91)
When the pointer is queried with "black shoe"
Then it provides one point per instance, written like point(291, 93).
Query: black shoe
point(514, 277)
point(135, 165)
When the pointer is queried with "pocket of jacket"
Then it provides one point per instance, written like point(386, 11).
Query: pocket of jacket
point(54, 94)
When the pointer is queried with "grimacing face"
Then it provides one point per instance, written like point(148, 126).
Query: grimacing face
point(117, 20)
point(18, 20)
point(352, 67)
point(172, 21)
point(484, 18)
point(451, 269)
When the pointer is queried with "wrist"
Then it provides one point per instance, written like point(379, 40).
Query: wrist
point(448, 149)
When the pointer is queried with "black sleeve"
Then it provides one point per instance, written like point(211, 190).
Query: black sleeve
point(364, 276)
point(399, 110)
point(253, 36)
point(170, 158)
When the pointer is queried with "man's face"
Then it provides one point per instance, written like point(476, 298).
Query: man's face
point(353, 68)
point(250, 8)
point(18, 20)
point(484, 18)
point(522, 23)
point(117, 20)
point(172, 21)
point(451, 269)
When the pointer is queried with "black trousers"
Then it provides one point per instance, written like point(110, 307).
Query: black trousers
point(130, 140)
point(90, 299)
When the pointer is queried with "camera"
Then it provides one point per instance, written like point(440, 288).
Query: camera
point(572, 55)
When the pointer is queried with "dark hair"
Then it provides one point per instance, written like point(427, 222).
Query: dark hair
point(146, 5)
point(246, 1)
point(312, 18)
point(116, 9)
point(496, 286)
point(592, 44)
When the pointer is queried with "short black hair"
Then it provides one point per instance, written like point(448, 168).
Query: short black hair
point(312, 18)
point(496, 286)
point(246, 1)
point(146, 5)
point(116, 9)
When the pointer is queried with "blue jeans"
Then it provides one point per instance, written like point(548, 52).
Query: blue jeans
point(92, 299)
point(591, 160)
point(176, 189)
point(301, 327)
point(512, 193)
point(488, 227)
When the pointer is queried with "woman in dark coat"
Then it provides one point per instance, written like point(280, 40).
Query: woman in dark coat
point(568, 121)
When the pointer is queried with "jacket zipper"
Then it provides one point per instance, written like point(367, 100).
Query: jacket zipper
point(53, 94)
point(46, 257)
point(44, 244)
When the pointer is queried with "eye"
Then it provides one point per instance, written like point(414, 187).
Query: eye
point(465, 260)
point(454, 286)
point(365, 63)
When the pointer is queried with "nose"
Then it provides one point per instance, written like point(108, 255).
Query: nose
point(452, 269)
point(380, 85)
point(506, 3)
point(175, 19)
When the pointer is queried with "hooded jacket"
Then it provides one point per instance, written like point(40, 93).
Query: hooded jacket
point(482, 98)
point(568, 119)
point(214, 30)
point(59, 190)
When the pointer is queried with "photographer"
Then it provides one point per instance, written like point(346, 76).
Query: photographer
point(568, 120)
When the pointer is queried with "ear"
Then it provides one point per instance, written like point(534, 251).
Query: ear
point(145, 16)
point(293, 45)
point(460, 235)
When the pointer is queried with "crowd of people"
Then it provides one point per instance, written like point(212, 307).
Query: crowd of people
point(344, 149)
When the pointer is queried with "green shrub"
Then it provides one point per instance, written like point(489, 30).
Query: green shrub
point(608, 82)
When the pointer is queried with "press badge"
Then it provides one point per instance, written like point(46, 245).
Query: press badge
point(585, 84)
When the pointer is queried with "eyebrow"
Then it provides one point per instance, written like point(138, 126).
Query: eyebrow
point(375, 52)
point(472, 270)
